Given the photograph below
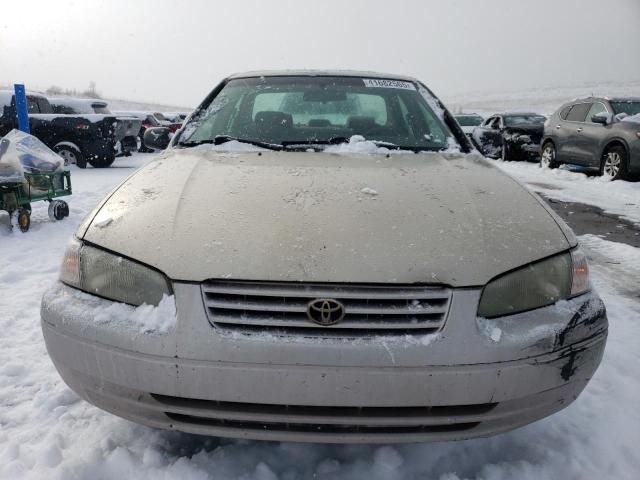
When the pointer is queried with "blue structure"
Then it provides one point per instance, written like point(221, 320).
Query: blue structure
point(21, 108)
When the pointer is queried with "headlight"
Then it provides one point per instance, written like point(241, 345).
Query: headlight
point(536, 285)
point(110, 276)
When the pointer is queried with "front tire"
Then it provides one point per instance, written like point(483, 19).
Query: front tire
point(548, 156)
point(614, 163)
point(24, 219)
point(58, 209)
point(70, 154)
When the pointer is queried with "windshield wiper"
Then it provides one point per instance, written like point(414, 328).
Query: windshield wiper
point(292, 144)
point(300, 144)
point(220, 139)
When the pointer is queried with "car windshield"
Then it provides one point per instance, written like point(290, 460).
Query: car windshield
point(312, 110)
point(513, 120)
point(630, 107)
point(469, 120)
point(101, 108)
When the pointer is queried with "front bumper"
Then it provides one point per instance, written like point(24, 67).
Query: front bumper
point(531, 150)
point(458, 383)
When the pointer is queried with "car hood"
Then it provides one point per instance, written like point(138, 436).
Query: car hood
point(451, 219)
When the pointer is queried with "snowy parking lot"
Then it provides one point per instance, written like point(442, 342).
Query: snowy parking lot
point(46, 431)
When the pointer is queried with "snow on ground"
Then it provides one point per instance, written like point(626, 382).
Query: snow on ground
point(47, 432)
point(619, 198)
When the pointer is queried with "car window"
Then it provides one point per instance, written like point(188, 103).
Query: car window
point(32, 104)
point(469, 120)
point(57, 108)
point(578, 112)
point(151, 120)
point(306, 109)
point(514, 120)
point(564, 112)
point(492, 122)
point(629, 107)
point(596, 109)
point(100, 108)
point(44, 106)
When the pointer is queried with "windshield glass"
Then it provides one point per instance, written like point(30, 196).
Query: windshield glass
point(320, 109)
point(469, 120)
point(513, 120)
point(101, 108)
point(630, 108)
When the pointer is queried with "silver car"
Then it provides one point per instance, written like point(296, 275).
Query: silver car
point(323, 257)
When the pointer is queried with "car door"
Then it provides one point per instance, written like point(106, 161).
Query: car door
point(558, 130)
point(489, 136)
point(593, 136)
point(573, 150)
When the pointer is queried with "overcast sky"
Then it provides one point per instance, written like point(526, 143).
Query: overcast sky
point(174, 51)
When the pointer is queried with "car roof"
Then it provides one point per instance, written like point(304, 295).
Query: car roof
point(320, 73)
point(7, 95)
point(77, 101)
point(516, 114)
point(608, 99)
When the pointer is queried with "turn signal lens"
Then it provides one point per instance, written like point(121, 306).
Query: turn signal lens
point(70, 270)
point(580, 278)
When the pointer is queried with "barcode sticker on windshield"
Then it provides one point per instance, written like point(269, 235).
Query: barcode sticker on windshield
point(382, 83)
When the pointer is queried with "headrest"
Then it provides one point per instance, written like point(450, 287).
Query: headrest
point(270, 119)
point(319, 122)
point(361, 123)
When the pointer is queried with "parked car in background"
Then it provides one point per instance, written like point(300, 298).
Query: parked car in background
point(171, 123)
point(72, 105)
point(126, 128)
point(175, 117)
point(468, 121)
point(80, 139)
point(596, 132)
point(147, 120)
point(510, 136)
point(353, 291)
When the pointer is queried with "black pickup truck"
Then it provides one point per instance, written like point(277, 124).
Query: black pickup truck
point(77, 138)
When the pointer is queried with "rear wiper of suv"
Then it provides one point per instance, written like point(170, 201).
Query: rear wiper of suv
point(220, 139)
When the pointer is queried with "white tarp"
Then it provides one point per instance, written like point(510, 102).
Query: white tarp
point(21, 152)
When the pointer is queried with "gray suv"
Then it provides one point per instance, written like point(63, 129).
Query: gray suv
point(602, 133)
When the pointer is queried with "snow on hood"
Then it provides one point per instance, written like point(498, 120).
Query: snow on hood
point(297, 216)
point(632, 118)
point(358, 144)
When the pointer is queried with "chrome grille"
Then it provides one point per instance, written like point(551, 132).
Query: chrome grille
point(279, 305)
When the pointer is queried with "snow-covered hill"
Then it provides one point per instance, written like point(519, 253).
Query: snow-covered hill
point(540, 100)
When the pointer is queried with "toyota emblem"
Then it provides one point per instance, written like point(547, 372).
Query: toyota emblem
point(325, 311)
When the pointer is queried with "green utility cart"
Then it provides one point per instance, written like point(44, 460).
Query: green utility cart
point(17, 196)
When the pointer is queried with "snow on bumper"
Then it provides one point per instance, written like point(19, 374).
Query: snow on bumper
point(475, 378)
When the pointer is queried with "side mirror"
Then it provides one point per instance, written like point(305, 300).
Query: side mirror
point(601, 119)
point(157, 137)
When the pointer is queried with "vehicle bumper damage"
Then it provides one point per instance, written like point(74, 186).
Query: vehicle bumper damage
point(474, 377)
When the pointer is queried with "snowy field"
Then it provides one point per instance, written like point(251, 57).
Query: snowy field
point(46, 432)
